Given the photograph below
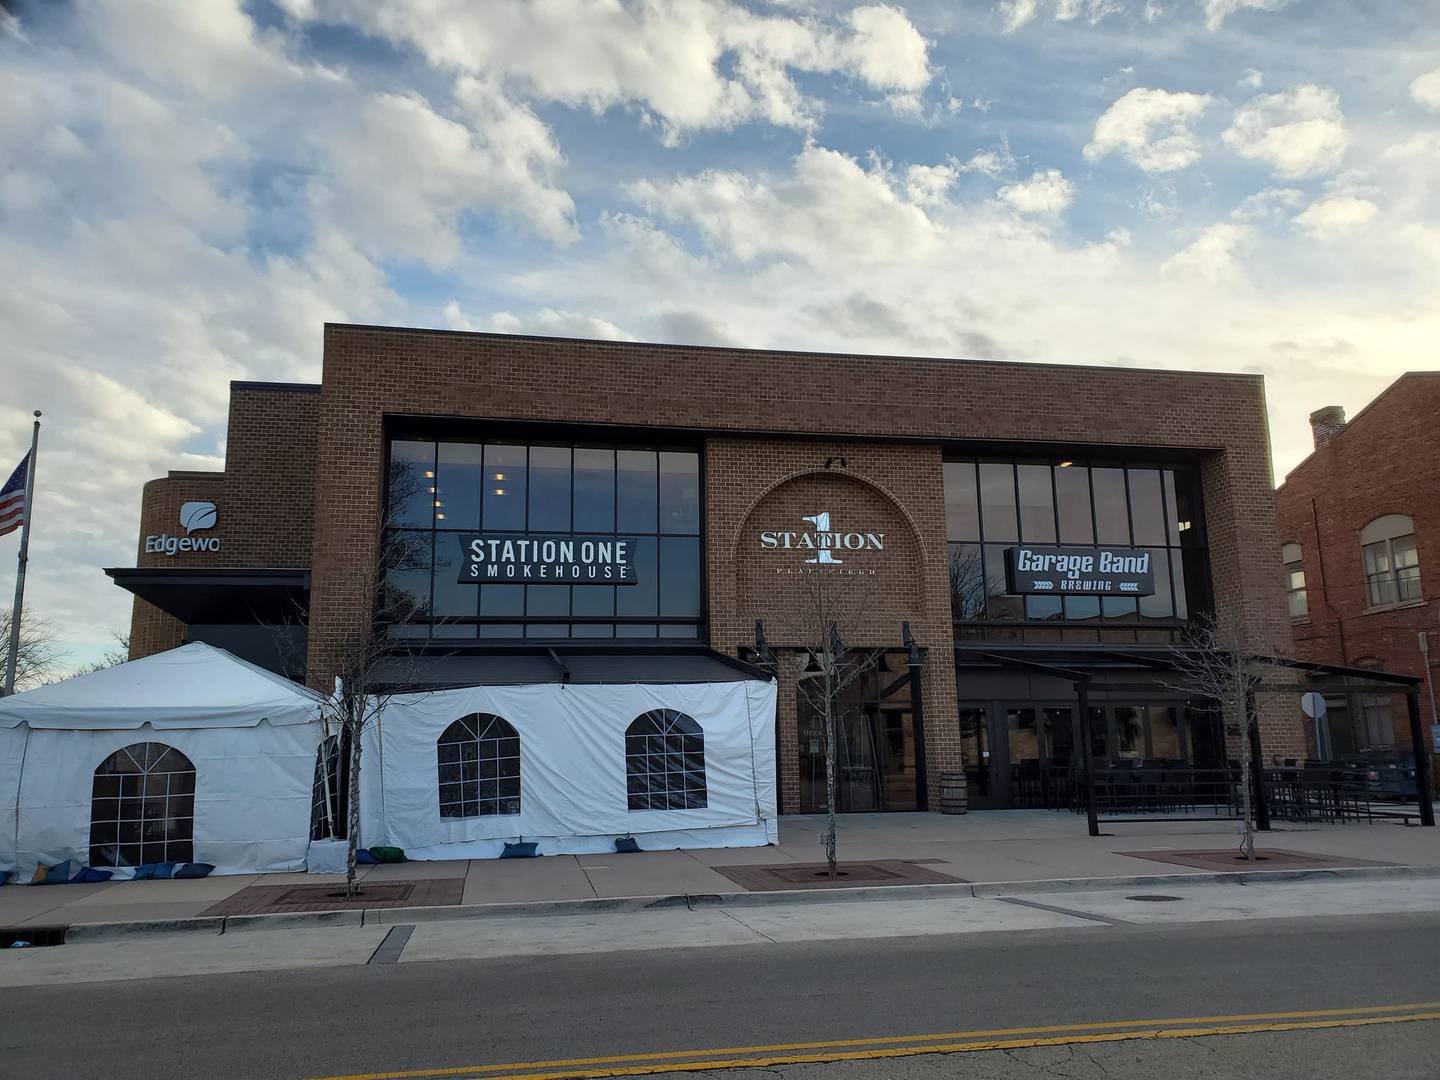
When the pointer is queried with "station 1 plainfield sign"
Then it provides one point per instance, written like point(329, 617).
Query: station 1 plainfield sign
point(1079, 571)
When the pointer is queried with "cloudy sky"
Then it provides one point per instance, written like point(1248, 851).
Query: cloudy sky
point(188, 190)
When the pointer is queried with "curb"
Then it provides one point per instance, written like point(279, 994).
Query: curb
point(224, 924)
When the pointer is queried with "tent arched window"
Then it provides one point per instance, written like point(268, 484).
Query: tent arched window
point(1392, 564)
point(142, 807)
point(665, 762)
point(478, 757)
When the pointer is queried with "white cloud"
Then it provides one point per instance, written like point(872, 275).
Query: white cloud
point(548, 322)
point(693, 64)
point(1017, 13)
point(1216, 11)
point(1046, 193)
point(1268, 204)
point(886, 51)
point(1252, 79)
point(1213, 257)
point(1151, 128)
point(1298, 133)
point(929, 185)
point(403, 175)
point(1335, 215)
point(990, 163)
point(1426, 90)
point(830, 205)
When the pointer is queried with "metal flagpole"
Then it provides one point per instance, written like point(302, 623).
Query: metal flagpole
point(18, 606)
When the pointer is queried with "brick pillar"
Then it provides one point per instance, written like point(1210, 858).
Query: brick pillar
point(787, 738)
point(942, 719)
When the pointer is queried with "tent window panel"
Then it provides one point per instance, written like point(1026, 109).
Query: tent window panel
point(665, 762)
point(142, 807)
point(478, 767)
point(107, 787)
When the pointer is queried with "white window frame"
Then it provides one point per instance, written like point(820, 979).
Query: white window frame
point(1296, 594)
point(1382, 545)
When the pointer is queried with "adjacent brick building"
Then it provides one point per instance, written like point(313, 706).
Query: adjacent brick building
point(752, 488)
point(1359, 524)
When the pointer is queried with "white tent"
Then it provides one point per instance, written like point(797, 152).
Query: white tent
point(250, 735)
point(575, 782)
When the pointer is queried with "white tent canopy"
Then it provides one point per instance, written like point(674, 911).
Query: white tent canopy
point(575, 769)
point(250, 735)
point(194, 686)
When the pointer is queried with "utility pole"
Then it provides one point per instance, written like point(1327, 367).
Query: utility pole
point(17, 608)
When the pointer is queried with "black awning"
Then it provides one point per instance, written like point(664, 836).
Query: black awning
point(511, 668)
point(220, 597)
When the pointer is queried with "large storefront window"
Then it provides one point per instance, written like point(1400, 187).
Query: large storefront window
point(993, 504)
point(443, 494)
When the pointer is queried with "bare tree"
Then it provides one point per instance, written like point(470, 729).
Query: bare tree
point(113, 657)
point(968, 585)
point(828, 611)
point(1211, 662)
point(40, 658)
point(373, 661)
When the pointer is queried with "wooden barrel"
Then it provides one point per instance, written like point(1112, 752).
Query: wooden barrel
point(953, 799)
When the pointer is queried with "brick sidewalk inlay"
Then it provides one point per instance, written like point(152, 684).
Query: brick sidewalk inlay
point(1230, 859)
point(816, 875)
point(283, 899)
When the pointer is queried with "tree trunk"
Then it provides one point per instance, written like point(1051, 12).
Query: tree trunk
point(829, 693)
point(1247, 803)
point(352, 830)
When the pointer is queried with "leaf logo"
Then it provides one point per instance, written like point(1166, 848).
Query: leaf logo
point(197, 515)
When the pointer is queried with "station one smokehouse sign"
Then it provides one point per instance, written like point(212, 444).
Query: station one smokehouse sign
point(1083, 571)
point(569, 560)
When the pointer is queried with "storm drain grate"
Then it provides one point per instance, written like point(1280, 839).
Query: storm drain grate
point(33, 936)
point(1155, 899)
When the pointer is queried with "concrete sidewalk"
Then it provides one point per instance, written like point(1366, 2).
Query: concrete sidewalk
point(994, 846)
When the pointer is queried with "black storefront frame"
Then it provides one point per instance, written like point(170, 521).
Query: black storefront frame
point(1200, 602)
point(439, 430)
point(1106, 698)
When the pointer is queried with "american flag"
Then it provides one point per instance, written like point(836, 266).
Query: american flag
point(12, 498)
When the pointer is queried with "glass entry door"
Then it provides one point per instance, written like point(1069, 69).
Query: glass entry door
point(1018, 755)
point(875, 751)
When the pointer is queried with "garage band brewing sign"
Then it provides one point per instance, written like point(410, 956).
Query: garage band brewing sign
point(568, 560)
point(1084, 571)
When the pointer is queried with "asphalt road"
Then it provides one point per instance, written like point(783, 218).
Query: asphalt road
point(384, 1018)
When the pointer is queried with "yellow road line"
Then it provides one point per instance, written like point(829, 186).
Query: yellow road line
point(1301, 1019)
point(955, 1048)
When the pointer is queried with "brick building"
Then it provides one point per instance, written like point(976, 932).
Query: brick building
point(1359, 527)
point(750, 489)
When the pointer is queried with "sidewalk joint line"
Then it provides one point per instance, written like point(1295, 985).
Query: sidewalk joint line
point(1108, 920)
point(747, 926)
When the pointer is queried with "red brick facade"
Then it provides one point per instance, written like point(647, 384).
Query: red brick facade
point(303, 483)
point(265, 497)
point(1385, 461)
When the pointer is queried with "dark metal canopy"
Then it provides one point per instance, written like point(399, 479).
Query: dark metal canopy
point(559, 663)
point(224, 597)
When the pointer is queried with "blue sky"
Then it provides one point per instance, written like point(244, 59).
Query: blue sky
point(188, 191)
